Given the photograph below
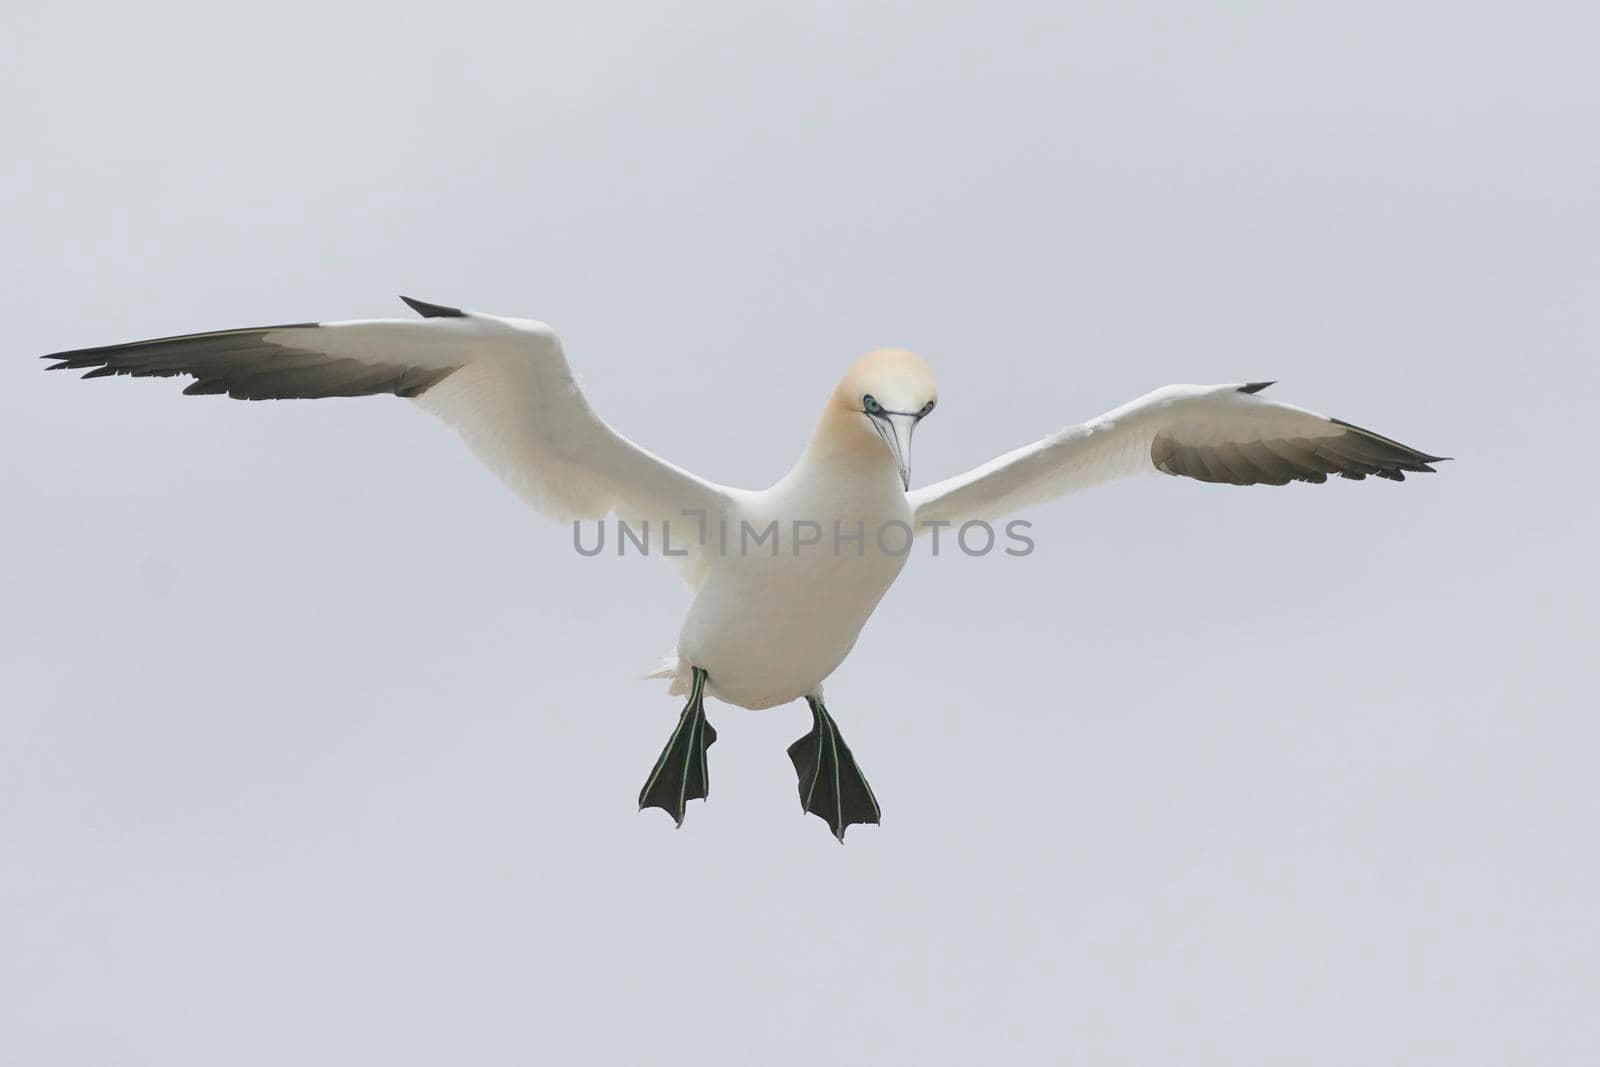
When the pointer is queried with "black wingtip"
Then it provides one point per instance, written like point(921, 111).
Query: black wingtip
point(433, 311)
point(1256, 387)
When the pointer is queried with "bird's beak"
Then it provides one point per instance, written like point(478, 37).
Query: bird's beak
point(896, 430)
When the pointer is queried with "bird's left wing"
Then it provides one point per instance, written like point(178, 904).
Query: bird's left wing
point(1212, 433)
point(503, 384)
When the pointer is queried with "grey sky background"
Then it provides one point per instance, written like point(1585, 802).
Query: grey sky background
point(319, 747)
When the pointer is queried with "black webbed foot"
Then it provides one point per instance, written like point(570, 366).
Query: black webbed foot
point(679, 775)
point(831, 785)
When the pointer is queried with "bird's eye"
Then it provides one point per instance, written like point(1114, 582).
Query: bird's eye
point(871, 405)
point(925, 409)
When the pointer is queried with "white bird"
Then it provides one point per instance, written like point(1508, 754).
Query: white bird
point(784, 578)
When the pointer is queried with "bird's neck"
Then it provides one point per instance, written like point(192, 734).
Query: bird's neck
point(844, 450)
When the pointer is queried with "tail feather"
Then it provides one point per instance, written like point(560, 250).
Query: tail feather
point(672, 667)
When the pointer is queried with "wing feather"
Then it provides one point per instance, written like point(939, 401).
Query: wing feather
point(1217, 433)
point(503, 384)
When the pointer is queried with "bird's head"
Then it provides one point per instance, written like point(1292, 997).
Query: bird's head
point(880, 401)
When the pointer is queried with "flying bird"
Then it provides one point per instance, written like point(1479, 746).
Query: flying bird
point(771, 621)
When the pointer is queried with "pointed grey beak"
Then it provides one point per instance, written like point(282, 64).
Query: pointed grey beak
point(896, 429)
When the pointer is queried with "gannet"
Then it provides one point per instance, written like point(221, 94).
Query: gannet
point(767, 624)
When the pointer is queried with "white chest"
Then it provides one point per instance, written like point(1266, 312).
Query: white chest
point(792, 586)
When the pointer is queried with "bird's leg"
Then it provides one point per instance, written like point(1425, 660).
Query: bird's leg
point(679, 775)
point(831, 785)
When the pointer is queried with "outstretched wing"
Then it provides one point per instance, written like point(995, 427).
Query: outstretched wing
point(503, 384)
point(1213, 433)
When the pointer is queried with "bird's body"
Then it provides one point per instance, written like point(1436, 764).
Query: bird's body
point(769, 624)
point(784, 579)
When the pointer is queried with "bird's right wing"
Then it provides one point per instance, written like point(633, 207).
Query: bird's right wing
point(503, 384)
point(1212, 433)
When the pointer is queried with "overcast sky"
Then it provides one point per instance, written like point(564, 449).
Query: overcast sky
point(317, 746)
